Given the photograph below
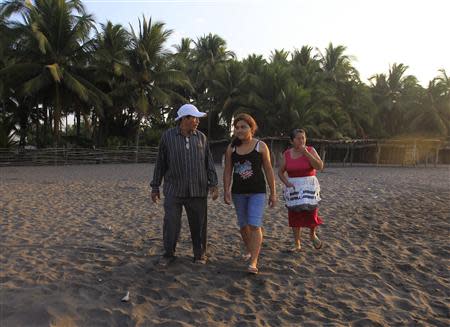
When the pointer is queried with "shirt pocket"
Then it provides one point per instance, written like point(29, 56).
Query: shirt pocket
point(201, 146)
point(200, 150)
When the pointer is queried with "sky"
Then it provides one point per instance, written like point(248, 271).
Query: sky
point(377, 33)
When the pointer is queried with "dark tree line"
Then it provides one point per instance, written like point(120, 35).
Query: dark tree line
point(123, 85)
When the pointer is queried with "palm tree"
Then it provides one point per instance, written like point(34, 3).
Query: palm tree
point(109, 63)
point(111, 46)
point(183, 60)
point(337, 65)
point(254, 66)
point(341, 82)
point(276, 100)
point(279, 100)
point(361, 110)
point(228, 88)
point(433, 116)
point(209, 54)
point(54, 48)
point(443, 84)
point(443, 97)
point(7, 131)
point(152, 82)
point(396, 96)
point(279, 57)
point(184, 53)
point(306, 67)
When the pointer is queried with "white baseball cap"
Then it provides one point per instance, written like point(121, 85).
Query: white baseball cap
point(189, 110)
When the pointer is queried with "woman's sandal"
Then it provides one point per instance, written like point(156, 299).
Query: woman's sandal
point(295, 249)
point(317, 243)
point(252, 270)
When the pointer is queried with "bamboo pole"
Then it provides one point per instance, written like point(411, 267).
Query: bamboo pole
point(378, 153)
point(415, 154)
point(351, 155)
point(346, 155)
point(437, 156)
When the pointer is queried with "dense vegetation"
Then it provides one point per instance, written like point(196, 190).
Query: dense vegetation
point(124, 85)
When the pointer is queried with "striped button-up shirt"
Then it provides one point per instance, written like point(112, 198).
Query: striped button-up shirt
point(185, 163)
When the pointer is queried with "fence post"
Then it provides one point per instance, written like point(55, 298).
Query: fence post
point(351, 154)
point(378, 153)
point(346, 155)
point(415, 154)
point(136, 159)
point(323, 152)
point(437, 155)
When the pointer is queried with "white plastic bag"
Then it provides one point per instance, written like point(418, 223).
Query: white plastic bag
point(305, 195)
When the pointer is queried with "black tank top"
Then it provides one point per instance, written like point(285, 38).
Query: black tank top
point(248, 176)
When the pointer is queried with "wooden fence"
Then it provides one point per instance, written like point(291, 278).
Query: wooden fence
point(76, 156)
point(405, 152)
point(343, 152)
point(388, 152)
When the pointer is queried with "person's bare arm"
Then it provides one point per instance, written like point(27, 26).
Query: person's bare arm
point(227, 171)
point(282, 172)
point(268, 171)
point(314, 158)
point(159, 171)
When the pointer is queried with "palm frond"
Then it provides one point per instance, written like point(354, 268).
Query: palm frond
point(55, 72)
point(36, 84)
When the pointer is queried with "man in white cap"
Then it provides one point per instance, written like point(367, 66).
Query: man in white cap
point(185, 163)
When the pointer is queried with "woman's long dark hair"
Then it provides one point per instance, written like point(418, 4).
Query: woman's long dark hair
point(235, 141)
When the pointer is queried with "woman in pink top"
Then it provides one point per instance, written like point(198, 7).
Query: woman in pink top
point(301, 161)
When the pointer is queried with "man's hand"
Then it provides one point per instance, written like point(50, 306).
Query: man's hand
point(214, 191)
point(155, 197)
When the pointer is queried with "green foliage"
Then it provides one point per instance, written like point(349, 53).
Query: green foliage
point(7, 132)
point(151, 136)
point(125, 86)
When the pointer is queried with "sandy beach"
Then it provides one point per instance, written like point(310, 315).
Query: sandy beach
point(74, 240)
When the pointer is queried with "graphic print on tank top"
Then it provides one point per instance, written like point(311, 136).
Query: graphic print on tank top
point(243, 169)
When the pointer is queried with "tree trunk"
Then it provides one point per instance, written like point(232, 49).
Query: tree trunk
point(138, 134)
point(50, 120)
point(87, 124)
point(78, 116)
point(94, 129)
point(103, 129)
point(23, 123)
point(38, 132)
point(57, 116)
point(209, 117)
point(45, 126)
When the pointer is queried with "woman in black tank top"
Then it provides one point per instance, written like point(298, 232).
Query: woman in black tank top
point(248, 176)
point(245, 160)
